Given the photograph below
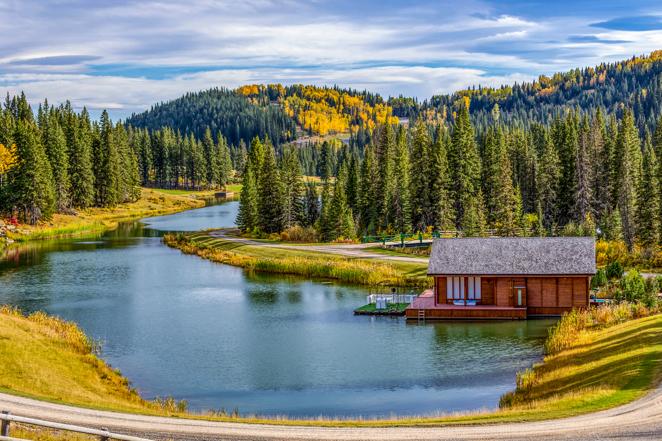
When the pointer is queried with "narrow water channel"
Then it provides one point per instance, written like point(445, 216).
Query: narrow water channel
point(221, 338)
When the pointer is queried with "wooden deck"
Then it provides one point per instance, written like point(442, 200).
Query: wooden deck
point(423, 307)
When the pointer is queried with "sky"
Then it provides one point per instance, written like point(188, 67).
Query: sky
point(125, 56)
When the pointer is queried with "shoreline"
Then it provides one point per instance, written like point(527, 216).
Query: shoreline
point(94, 221)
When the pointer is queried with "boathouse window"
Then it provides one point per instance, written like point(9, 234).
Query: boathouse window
point(455, 288)
point(474, 288)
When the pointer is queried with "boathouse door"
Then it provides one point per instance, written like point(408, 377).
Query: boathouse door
point(519, 293)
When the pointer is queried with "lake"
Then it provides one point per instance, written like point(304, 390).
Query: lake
point(220, 337)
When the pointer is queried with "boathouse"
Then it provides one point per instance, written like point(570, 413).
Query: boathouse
point(506, 278)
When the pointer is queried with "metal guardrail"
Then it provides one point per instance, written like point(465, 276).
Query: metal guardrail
point(104, 435)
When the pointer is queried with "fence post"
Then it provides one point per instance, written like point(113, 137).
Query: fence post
point(4, 426)
point(104, 437)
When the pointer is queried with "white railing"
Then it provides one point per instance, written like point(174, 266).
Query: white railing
point(104, 435)
point(391, 298)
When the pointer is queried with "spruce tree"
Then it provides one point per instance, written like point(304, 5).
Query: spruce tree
point(31, 188)
point(247, 217)
point(420, 177)
point(353, 183)
point(107, 174)
point(648, 206)
point(441, 215)
point(549, 173)
point(628, 175)
point(464, 165)
point(311, 206)
point(385, 155)
point(473, 217)
point(507, 202)
point(400, 202)
point(368, 217)
point(583, 197)
point(340, 215)
point(292, 188)
point(55, 144)
point(270, 200)
point(81, 174)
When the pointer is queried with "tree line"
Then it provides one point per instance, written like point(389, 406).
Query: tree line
point(577, 175)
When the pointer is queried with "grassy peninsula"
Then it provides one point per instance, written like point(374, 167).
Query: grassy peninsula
point(307, 263)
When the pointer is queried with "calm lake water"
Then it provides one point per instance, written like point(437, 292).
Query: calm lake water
point(221, 338)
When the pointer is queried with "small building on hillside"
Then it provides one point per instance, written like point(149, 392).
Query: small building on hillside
point(506, 278)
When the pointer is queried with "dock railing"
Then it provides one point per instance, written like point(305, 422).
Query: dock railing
point(104, 435)
point(391, 298)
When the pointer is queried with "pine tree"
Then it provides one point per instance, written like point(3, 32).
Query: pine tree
point(31, 188)
point(208, 152)
point(506, 199)
point(464, 165)
point(420, 177)
point(628, 175)
point(369, 191)
point(564, 135)
point(400, 203)
point(247, 218)
point(311, 206)
point(340, 215)
point(292, 187)
point(549, 173)
point(648, 205)
point(81, 174)
point(583, 172)
point(55, 144)
point(473, 217)
point(657, 148)
point(441, 215)
point(107, 179)
point(270, 194)
point(353, 182)
point(385, 155)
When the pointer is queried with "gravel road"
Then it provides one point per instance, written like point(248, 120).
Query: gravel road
point(640, 420)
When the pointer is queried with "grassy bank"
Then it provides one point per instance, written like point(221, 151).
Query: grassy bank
point(312, 264)
point(610, 362)
point(152, 202)
point(52, 359)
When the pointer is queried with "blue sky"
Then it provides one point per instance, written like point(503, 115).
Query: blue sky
point(125, 56)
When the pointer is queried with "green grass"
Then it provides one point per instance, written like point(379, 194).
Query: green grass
point(302, 262)
point(49, 359)
point(403, 252)
point(372, 308)
point(181, 192)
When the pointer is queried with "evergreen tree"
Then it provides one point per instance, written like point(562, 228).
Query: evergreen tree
point(628, 175)
point(565, 138)
point(247, 218)
point(31, 188)
point(292, 187)
point(270, 194)
point(648, 206)
point(506, 200)
point(340, 215)
point(583, 172)
point(441, 215)
point(311, 208)
point(420, 177)
point(107, 179)
point(464, 165)
point(473, 217)
point(549, 173)
point(353, 182)
point(369, 191)
point(400, 202)
point(385, 155)
point(55, 144)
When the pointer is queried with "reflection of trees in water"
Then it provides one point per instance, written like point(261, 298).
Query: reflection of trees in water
point(263, 295)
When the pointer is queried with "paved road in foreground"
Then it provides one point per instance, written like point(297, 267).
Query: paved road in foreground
point(640, 421)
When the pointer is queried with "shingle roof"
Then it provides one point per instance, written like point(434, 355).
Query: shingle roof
point(513, 256)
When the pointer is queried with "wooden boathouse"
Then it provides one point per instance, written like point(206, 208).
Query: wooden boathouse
point(506, 278)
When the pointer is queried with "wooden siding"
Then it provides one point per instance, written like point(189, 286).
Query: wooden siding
point(502, 291)
point(549, 292)
point(487, 291)
point(579, 292)
point(534, 292)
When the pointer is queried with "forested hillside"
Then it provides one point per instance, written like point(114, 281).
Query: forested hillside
point(224, 112)
point(635, 84)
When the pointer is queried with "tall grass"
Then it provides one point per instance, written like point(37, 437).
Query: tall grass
point(326, 267)
point(565, 334)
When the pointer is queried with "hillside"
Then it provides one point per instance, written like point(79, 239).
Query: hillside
point(635, 83)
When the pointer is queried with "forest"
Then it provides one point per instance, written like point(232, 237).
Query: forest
point(575, 153)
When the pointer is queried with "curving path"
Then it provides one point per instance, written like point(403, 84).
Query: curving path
point(639, 420)
point(349, 250)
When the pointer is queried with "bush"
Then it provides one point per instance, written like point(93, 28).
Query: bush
point(614, 270)
point(632, 288)
point(599, 280)
point(299, 234)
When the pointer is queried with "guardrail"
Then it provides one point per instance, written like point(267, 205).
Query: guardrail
point(391, 298)
point(104, 435)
